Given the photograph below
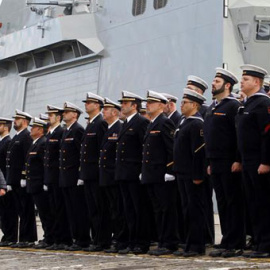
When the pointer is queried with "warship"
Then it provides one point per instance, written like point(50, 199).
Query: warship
point(56, 51)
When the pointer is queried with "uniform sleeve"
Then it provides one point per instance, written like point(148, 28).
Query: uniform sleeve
point(198, 151)
point(168, 138)
point(101, 131)
point(263, 119)
point(26, 145)
point(78, 137)
point(142, 130)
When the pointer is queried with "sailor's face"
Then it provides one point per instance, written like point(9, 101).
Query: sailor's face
point(186, 106)
point(217, 86)
point(248, 83)
point(18, 122)
point(52, 118)
point(90, 106)
point(152, 107)
point(127, 107)
point(68, 116)
point(107, 113)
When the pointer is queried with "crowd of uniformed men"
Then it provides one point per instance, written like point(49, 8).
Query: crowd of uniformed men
point(120, 185)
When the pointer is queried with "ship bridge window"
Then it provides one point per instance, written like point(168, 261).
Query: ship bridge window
point(160, 3)
point(263, 31)
point(138, 7)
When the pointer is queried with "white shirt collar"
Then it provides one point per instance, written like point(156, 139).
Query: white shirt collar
point(36, 140)
point(53, 129)
point(91, 120)
point(20, 131)
point(130, 117)
point(1, 138)
point(153, 120)
point(113, 123)
point(171, 114)
point(68, 128)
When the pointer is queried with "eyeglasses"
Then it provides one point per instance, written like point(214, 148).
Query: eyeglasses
point(184, 102)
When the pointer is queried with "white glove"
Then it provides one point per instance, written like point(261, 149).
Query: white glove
point(140, 177)
point(169, 177)
point(80, 182)
point(45, 188)
point(23, 183)
point(9, 188)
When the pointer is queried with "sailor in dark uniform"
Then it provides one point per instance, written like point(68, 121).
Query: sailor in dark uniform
point(157, 173)
point(127, 171)
point(69, 174)
point(34, 181)
point(107, 181)
point(170, 109)
point(253, 126)
point(224, 168)
point(189, 164)
point(62, 233)
point(8, 213)
point(15, 177)
point(89, 172)
point(200, 86)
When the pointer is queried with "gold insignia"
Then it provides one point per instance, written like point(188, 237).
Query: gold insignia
point(199, 148)
point(201, 132)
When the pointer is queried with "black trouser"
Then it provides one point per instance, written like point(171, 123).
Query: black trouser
point(98, 208)
point(77, 214)
point(209, 211)
point(192, 196)
point(230, 202)
point(116, 211)
point(163, 197)
point(62, 231)
point(9, 218)
point(26, 211)
point(136, 205)
point(41, 201)
point(257, 190)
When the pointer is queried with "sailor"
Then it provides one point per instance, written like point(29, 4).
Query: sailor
point(89, 172)
point(8, 213)
point(127, 171)
point(62, 233)
point(16, 182)
point(34, 180)
point(253, 126)
point(200, 86)
point(45, 118)
point(111, 189)
point(69, 175)
point(170, 109)
point(189, 143)
point(157, 173)
point(224, 168)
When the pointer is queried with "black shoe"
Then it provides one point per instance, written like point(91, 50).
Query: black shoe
point(259, 254)
point(93, 248)
point(160, 252)
point(125, 251)
point(5, 244)
point(232, 253)
point(41, 245)
point(216, 252)
point(178, 253)
point(247, 254)
point(139, 250)
point(74, 247)
point(61, 247)
point(193, 254)
point(25, 245)
point(113, 249)
point(219, 246)
point(183, 246)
